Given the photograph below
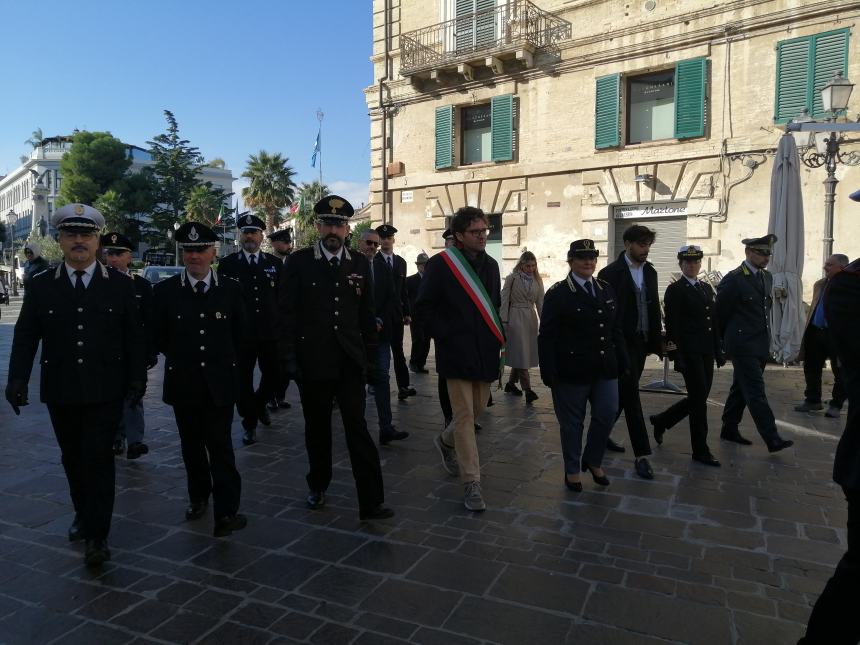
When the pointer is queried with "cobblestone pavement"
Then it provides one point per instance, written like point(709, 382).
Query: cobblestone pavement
point(699, 555)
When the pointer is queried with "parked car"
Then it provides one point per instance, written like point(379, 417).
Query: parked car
point(156, 274)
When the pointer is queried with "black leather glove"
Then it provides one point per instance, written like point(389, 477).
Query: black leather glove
point(151, 361)
point(680, 363)
point(16, 394)
point(136, 390)
point(291, 369)
point(720, 358)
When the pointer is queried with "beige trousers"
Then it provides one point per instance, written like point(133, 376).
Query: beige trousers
point(468, 400)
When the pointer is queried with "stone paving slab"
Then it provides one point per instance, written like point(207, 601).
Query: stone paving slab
point(699, 555)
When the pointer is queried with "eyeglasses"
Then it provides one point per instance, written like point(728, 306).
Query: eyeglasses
point(479, 232)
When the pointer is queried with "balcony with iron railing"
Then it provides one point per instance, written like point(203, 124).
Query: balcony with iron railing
point(516, 30)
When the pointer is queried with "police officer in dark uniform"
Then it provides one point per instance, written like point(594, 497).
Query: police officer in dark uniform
point(329, 349)
point(693, 343)
point(199, 326)
point(396, 265)
point(743, 310)
point(117, 249)
point(92, 359)
point(420, 339)
point(258, 273)
point(282, 245)
point(582, 354)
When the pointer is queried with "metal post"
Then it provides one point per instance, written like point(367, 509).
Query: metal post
point(320, 117)
point(663, 385)
point(830, 192)
point(12, 218)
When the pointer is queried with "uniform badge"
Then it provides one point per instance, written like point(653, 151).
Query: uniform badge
point(335, 204)
point(193, 235)
point(248, 219)
point(218, 315)
point(113, 238)
point(588, 244)
point(79, 209)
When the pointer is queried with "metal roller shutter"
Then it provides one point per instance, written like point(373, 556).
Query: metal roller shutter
point(671, 233)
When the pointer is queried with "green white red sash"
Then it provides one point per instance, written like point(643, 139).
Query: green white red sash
point(476, 291)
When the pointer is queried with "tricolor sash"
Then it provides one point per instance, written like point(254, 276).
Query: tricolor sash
point(474, 288)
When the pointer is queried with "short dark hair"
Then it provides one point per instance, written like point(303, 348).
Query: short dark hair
point(641, 234)
point(841, 258)
point(465, 216)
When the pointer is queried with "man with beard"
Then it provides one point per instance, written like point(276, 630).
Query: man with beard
point(743, 313)
point(634, 281)
point(396, 266)
point(282, 245)
point(199, 326)
point(328, 345)
point(86, 318)
point(117, 249)
point(258, 273)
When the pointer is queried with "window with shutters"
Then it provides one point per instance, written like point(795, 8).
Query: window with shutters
point(804, 66)
point(486, 133)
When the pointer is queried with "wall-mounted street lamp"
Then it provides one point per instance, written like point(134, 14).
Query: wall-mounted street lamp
point(12, 218)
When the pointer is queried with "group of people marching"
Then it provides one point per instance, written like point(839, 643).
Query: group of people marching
point(331, 320)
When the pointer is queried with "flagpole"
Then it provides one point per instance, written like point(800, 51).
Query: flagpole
point(320, 117)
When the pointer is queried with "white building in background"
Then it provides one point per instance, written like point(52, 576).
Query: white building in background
point(28, 194)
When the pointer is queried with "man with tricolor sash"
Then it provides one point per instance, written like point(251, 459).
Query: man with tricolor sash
point(459, 300)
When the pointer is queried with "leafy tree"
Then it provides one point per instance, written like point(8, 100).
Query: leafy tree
point(97, 162)
point(205, 202)
point(272, 187)
point(217, 162)
point(357, 230)
point(175, 168)
point(112, 206)
point(303, 218)
point(36, 138)
point(48, 245)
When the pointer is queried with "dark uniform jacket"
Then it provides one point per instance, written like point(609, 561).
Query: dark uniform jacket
point(91, 349)
point(413, 283)
point(842, 303)
point(143, 296)
point(580, 338)
point(465, 346)
point(386, 300)
point(399, 278)
point(691, 325)
point(200, 337)
point(260, 288)
point(618, 275)
point(327, 316)
point(743, 312)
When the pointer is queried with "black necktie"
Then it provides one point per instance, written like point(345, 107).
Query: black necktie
point(200, 288)
point(334, 262)
point(79, 282)
point(589, 288)
point(390, 262)
point(253, 261)
point(760, 275)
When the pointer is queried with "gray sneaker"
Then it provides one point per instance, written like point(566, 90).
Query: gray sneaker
point(833, 412)
point(473, 500)
point(449, 456)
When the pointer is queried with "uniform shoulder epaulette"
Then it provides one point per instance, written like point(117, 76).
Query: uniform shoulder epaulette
point(600, 281)
point(555, 286)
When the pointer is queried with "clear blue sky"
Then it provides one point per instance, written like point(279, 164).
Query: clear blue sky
point(239, 76)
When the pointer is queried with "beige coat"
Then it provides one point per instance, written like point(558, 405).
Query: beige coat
point(521, 305)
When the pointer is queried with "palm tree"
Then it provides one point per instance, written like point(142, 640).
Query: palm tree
point(111, 205)
point(203, 205)
point(36, 138)
point(309, 194)
point(272, 187)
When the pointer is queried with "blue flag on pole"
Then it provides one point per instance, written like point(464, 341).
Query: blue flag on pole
point(316, 150)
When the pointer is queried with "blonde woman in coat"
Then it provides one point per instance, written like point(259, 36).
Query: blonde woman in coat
point(522, 300)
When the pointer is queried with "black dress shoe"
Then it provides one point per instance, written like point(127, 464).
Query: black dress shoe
point(97, 553)
point(264, 417)
point(379, 512)
point(478, 427)
point(229, 523)
point(118, 446)
point(136, 449)
point(576, 487)
point(779, 444)
point(531, 397)
point(76, 531)
point(392, 435)
point(735, 437)
point(510, 388)
point(402, 394)
point(643, 468)
point(249, 437)
point(272, 405)
point(316, 499)
point(708, 460)
point(659, 429)
point(196, 510)
point(602, 480)
point(612, 446)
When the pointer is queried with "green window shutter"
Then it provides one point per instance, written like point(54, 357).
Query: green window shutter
point(485, 24)
point(502, 128)
point(606, 118)
point(830, 54)
point(464, 28)
point(691, 80)
point(793, 60)
point(444, 137)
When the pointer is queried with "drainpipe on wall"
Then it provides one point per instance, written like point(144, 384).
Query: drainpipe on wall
point(385, 18)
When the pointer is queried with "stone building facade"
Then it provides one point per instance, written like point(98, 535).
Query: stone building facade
point(575, 118)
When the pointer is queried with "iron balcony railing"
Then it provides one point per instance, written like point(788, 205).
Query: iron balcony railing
point(514, 25)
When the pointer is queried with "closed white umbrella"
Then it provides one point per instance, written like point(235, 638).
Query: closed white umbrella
point(786, 222)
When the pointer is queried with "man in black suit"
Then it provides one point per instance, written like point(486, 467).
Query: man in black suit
point(743, 313)
point(834, 617)
point(282, 245)
point(634, 281)
point(420, 338)
point(693, 343)
point(117, 249)
point(328, 345)
point(93, 348)
point(386, 319)
point(396, 265)
point(199, 326)
point(258, 273)
point(581, 349)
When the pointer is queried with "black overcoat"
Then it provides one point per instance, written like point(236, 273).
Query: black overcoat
point(385, 297)
point(617, 274)
point(92, 347)
point(743, 312)
point(260, 290)
point(691, 323)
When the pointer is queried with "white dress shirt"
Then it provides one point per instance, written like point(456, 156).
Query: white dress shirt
point(88, 274)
